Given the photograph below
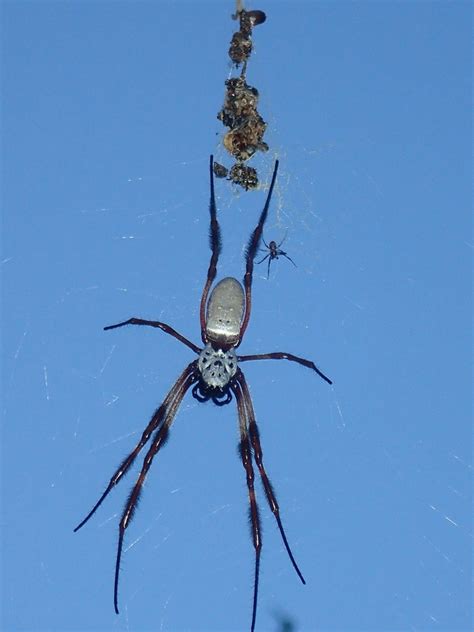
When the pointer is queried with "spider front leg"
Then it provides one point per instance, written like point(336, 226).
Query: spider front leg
point(159, 325)
point(215, 243)
point(251, 252)
point(279, 355)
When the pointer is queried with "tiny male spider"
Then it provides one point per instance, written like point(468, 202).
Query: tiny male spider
point(273, 253)
point(214, 375)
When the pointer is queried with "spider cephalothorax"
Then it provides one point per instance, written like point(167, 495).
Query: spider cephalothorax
point(217, 368)
point(214, 375)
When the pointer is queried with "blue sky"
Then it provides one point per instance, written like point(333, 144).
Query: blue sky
point(109, 117)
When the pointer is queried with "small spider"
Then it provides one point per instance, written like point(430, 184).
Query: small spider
point(274, 252)
point(213, 375)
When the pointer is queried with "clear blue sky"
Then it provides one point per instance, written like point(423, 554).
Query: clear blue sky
point(109, 116)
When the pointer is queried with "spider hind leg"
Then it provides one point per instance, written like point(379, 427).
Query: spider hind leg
point(250, 444)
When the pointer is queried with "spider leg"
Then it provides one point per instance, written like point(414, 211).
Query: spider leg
point(155, 323)
point(252, 247)
point(262, 260)
point(289, 258)
point(178, 391)
point(258, 454)
point(215, 244)
point(286, 234)
point(155, 421)
point(278, 355)
point(268, 268)
point(246, 456)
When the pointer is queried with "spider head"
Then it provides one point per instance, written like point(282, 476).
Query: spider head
point(225, 311)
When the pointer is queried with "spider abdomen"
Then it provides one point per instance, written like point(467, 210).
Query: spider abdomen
point(225, 310)
point(217, 367)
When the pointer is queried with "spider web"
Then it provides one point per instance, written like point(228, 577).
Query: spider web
point(373, 476)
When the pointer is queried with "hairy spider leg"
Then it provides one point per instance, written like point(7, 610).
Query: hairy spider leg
point(155, 421)
point(246, 456)
point(187, 378)
point(279, 355)
point(163, 326)
point(258, 455)
point(251, 251)
point(215, 243)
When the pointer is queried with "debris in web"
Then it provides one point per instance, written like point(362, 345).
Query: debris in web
point(239, 112)
point(219, 170)
point(243, 175)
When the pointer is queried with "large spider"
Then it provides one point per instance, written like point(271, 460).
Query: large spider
point(214, 375)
